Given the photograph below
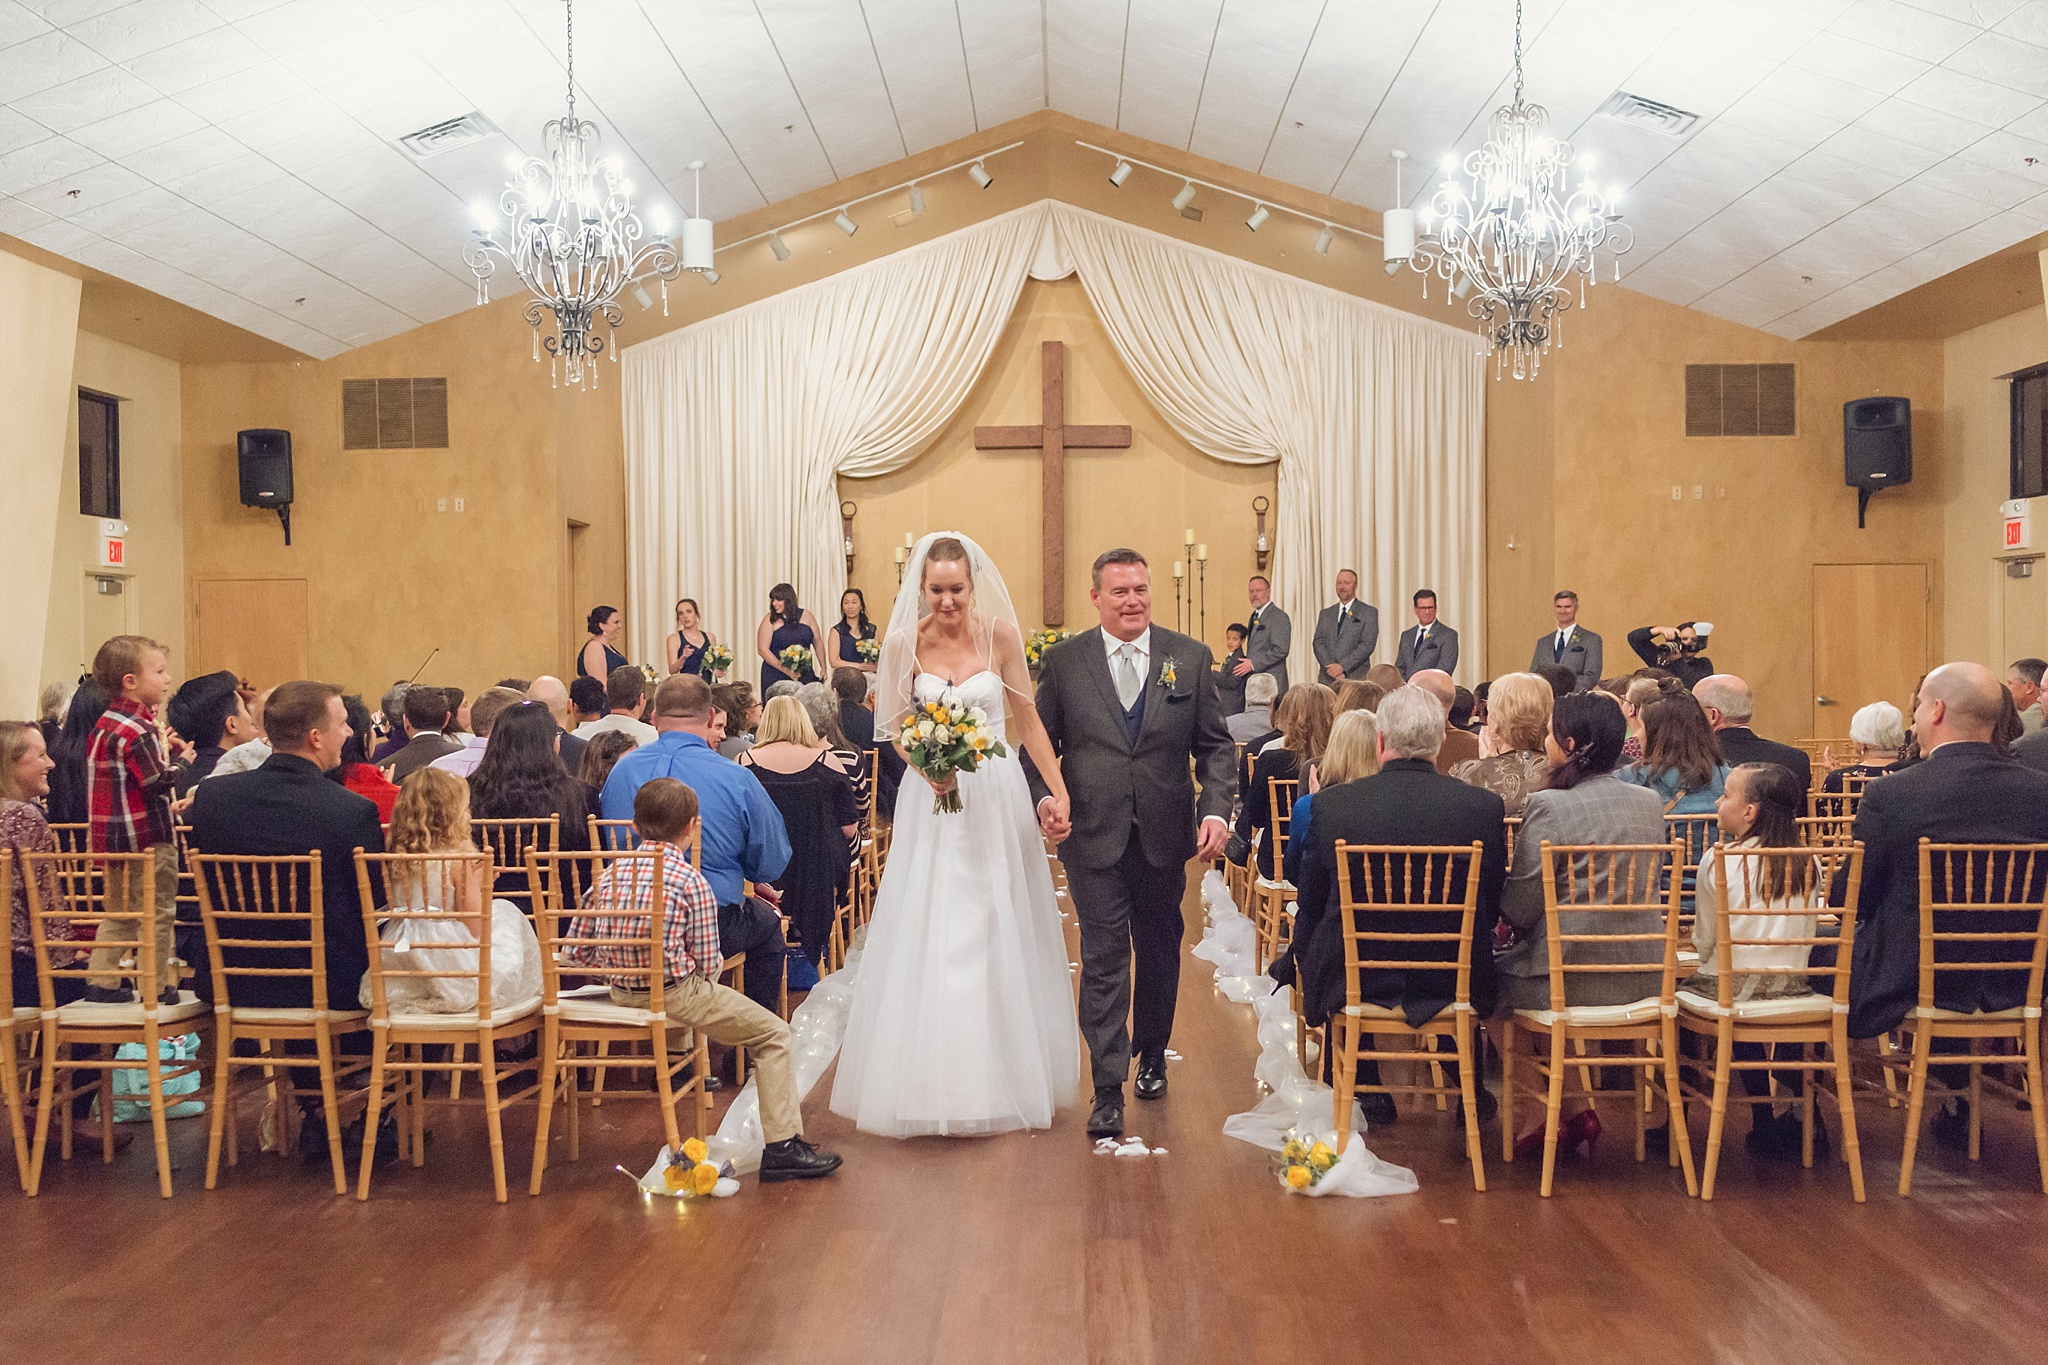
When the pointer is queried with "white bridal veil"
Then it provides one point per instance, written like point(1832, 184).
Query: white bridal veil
point(1001, 651)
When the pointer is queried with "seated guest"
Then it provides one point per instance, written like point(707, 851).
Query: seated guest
point(821, 706)
point(857, 723)
point(1252, 726)
point(626, 693)
point(1407, 802)
point(1960, 792)
point(1877, 732)
point(1729, 704)
point(1352, 753)
point(24, 781)
point(1517, 720)
point(67, 803)
point(1641, 693)
point(665, 815)
point(742, 714)
point(744, 838)
point(521, 777)
point(1356, 694)
point(1305, 716)
point(2023, 680)
point(355, 771)
point(1681, 761)
point(820, 813)
point(553, 693)
point(391, 713)
point(253, 752)
point(458, 713)
point(1461, 711)
point(1479, 694)
point(51, 704)
point(600, 756)
point(1458, 746)
point(1582, 803)
point(482, 717)
point(781, 687)
point(1759, 807)
point(587, 702)
point(2009, 728)
point(1386, 677)
point(1229, 683)
point(426, 713)
point(208, 713)
point(1563, 682)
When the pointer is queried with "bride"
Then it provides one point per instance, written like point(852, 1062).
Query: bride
point(963, 1010)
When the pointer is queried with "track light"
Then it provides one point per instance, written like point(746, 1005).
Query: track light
point(710, 276)
point(1120, 174)
point(1397, 225)
point(1185, 197)
point(778, 246)
point(981, 175)
point(641, 296)
point(846, 224)
point(1258, 218)
point(1328, 235)
point(916, 199)
point(696, 228)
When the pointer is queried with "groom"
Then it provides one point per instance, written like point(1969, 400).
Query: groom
point(1130, 707)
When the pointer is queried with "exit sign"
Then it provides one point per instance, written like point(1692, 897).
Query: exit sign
point(2019, 524)
point(113, 544)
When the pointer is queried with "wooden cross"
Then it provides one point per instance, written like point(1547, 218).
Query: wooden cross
point(1052, 438)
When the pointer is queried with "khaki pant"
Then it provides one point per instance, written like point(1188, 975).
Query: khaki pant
point(127, 889)
point(725, 1016)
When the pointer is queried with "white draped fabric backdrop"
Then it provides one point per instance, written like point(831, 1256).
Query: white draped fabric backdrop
point(738, 428)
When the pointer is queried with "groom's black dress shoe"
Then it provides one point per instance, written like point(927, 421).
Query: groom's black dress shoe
point(1107, 1118)
point(1151, 1075)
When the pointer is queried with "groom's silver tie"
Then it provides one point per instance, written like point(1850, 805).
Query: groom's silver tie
point(1128, 683)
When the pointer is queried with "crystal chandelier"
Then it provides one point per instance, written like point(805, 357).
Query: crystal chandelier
point(1512, 237)
point(566, 226)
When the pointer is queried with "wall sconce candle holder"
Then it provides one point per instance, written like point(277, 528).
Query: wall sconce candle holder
point(1262, 548)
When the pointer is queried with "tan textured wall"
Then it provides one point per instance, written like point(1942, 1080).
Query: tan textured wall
point(1978, 424)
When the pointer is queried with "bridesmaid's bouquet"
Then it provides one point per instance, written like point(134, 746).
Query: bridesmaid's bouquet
point(944, 737)
point(796, 660)
point(870, 650)
point(1039, 641)
point(714, 661)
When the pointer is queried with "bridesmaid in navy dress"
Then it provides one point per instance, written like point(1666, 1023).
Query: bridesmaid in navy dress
point(785, 624)
point(851, 627)
point(600, 655)
point(687, 643)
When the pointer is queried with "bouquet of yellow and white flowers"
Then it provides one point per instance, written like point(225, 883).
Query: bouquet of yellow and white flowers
point(688, 1173)
point(870, 650)
point(714, 661)
point(1039, 641)
point(796, 660)
point(1303, 1162)
point(947, 736)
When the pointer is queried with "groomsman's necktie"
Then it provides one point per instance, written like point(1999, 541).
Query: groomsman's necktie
point(1422, 635)
point(1128, 683)
point(1557, 651)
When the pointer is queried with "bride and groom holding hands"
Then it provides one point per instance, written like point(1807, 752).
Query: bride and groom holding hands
point(964, 1016)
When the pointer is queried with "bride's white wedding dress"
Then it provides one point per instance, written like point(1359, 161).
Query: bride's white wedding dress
point(963, 1011)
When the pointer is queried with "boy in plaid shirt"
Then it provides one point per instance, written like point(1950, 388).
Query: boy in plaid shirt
point(129, 785)
point(665, 817)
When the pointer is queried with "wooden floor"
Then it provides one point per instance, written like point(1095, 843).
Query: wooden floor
point(1030, 1248)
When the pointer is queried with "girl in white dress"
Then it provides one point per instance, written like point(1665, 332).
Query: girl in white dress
point(963, 1009)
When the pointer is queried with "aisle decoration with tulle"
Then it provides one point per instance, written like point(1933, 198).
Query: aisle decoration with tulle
point(946, 736)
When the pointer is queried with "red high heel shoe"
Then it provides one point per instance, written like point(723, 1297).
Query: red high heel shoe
point(1583, 1126)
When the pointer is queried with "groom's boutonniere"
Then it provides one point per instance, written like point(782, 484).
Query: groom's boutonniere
point(1169, 674)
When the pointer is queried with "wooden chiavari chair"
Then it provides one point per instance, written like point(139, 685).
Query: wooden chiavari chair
point(1514, 831)
point(1272, 895)
point(13, 1065)
point(1983, 911)
point(1407, 910)
point(1788, 1027)
point(68, 1031)
point(399, 1059)
point(1696, 834)
point(266, 931)
point(1603, 883)
point(508, 841)
point(590, 1015)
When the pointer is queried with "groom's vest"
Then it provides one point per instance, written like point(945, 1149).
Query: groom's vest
point(1134, 716)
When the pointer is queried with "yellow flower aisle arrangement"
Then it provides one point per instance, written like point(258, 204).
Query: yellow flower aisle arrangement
point(796, 660)
point(947, 736)
point(1303, 1162)
point(690, 1173)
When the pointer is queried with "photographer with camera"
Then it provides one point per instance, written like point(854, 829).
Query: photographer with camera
point(1675, 649)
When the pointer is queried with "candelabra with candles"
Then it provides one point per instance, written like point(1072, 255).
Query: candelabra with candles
point(1202, 586)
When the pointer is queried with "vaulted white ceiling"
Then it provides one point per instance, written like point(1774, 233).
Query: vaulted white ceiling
point(240, 155)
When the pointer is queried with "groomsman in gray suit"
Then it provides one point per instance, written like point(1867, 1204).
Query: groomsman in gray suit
point(1570, 644)
point(1270, 635)
point(1429, 643)
point(1347, 632)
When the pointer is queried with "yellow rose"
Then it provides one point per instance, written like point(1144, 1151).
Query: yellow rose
point(703, 1178)
point(1297, 1177)
point(694, 1149)
point(1319, 1152)
point(675, 1177)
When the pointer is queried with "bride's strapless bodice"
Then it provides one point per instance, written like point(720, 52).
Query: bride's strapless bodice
point(984, 689)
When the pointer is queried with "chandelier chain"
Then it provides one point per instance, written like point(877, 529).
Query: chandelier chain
point(570, 6)
point(1518, 51)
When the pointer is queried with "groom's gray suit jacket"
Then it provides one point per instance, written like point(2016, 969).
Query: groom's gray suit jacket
point(1113, 782)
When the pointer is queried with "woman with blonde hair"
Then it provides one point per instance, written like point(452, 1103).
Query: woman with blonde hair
point(1304, 717)
point(1353, 752)
point(1356, 694)
point(821, 814)
point(1511, 762)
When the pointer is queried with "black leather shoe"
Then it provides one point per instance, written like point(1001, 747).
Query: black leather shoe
point(1107, 1118)
point(170, 995)
point(1952, 1125)
point(1379, 1109)
point(108, 995)
point(1151, 1082)
point(795, 1159)
point(1483, 1102)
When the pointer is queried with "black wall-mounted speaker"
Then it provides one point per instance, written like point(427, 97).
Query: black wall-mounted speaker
point(264, 460)
point(1877, 446)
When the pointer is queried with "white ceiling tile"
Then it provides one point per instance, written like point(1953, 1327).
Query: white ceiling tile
point(115, 217)
point(83, 189)
point(224, 98)
point(43, 62)
point(2028, 23)
point(59, 236)
point(17, 217)
point(1946, 133)
point(1259, 49)
point(76, 103)
point(139, 129)
point(18, 23)
point(1978, 13)
point(1880, 154)
point(196, 61)
point(1903, 28)
point(145, 26)
point(2005, 61)
point(67, 12)
point(1084, 58)
point(39, 163)
point(300, 24)
point(1859, 63)
point(1951, 92)
point(1986, 185)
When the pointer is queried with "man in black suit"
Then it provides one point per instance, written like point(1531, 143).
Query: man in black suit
point(1729, 704)
point(288, 807)
point(1963, 792)
point(426, 711)
point(1406, 802)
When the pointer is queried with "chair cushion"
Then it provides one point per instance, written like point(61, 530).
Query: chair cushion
point(23, 1014)
point(2016, 1012)
point(1784, 1009)
point(1595, 1016)
point(1268, 884)
point(585, 1010)
point(1392, 1014)
point(504, 1014)
point(241, 1015)
point(80, 1014)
